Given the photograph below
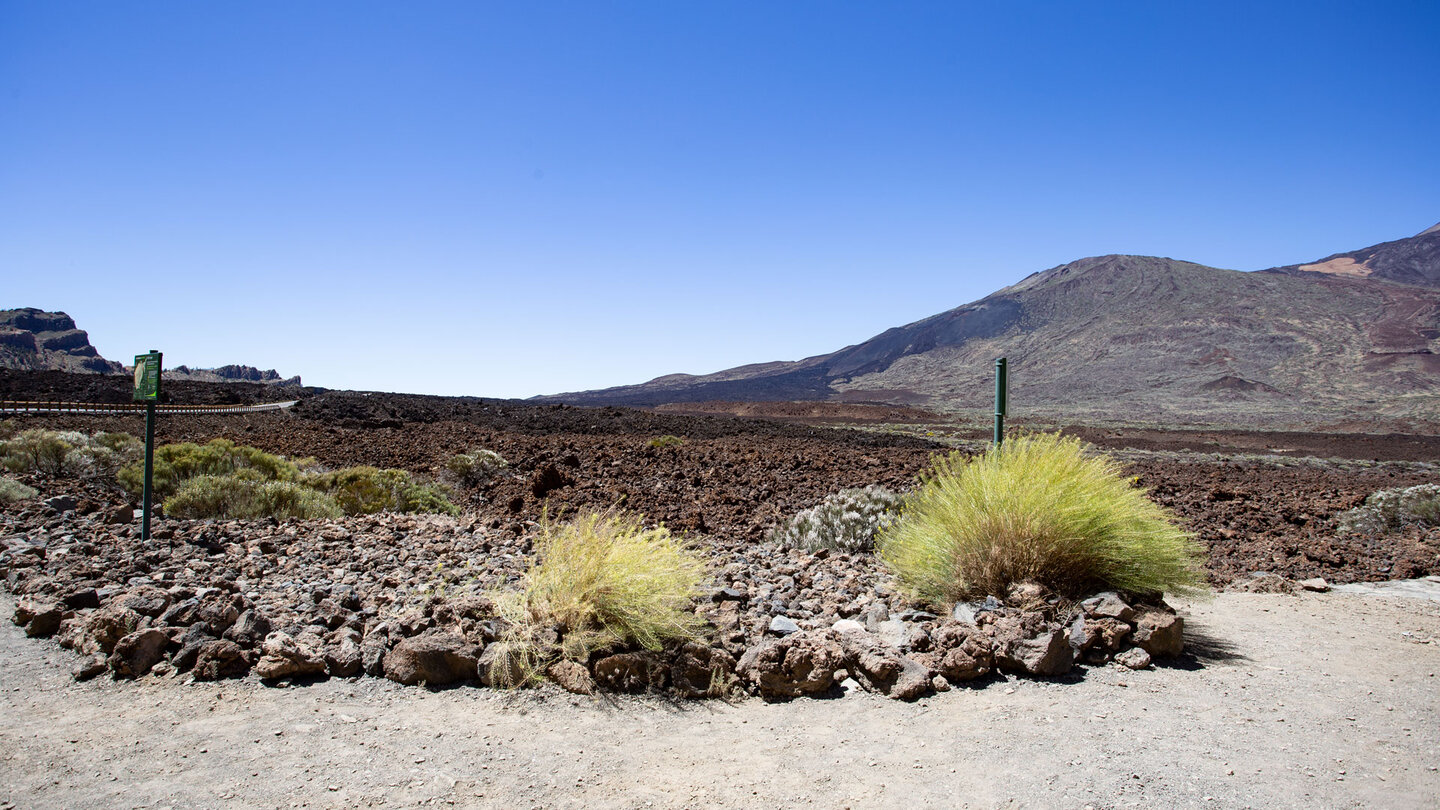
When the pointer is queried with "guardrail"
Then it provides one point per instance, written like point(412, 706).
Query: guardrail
point(134, 407)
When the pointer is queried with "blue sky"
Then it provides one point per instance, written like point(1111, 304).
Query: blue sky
point(509, 199)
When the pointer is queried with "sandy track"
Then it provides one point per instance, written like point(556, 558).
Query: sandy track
point(1312, 701)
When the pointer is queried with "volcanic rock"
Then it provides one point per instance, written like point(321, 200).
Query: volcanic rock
point(136, 653)
point(801, 664)
point(437, 659)
point(285, 657)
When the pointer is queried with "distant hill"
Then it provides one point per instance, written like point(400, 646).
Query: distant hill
point(35, 340)
point(1351, 338)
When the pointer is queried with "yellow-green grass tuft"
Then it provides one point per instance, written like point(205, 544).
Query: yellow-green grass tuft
point(602, 580)
point(1039, 508)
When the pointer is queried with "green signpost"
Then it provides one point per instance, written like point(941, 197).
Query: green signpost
point(147, 390)
point(1002, 399)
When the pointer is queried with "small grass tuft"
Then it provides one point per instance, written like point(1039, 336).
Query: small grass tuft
point(1039, 508)
point(475, 467)
point(661, 442)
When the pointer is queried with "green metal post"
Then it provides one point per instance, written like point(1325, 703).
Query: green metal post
point(149, 470)
point(1002, 397)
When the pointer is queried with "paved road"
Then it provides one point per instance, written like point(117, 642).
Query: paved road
point(82, 407)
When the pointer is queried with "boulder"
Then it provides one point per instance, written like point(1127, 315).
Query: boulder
point(194, 637)
point(433, 658)
point(959, 652)
point(783, 626)
point(147, 600)
point(373, 648)
point(1107, 634)
point(1133, 658)
point(137, 652)
point(1043, 652)
point(284, 657)
point(342, 653)
point(571, 676)
point(802, 664)
point(879, 667)
point(249, 629)
point(699, 670)
point(1160, 633)
point(1108, 605)
point(40, 618)
point(218, 659)
point(98, 632)
point(631, 672)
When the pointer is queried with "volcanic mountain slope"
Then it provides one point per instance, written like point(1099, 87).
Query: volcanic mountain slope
point(1350, 339)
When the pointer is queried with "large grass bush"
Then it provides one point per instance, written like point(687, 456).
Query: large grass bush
point(243, 496)
point(602, 580)
point(1040, 508)
point(845, 521)
point(1392, 509)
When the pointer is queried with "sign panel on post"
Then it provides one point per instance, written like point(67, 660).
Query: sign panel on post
point(147, 377)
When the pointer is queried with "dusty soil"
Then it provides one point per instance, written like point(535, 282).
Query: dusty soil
point(1321, 700)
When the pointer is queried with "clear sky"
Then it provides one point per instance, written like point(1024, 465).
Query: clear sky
point(509, 199)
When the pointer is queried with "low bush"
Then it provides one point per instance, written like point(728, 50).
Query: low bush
point(69, 453)
point(661, 442)
point(475, 467)
point(364, 490)
point(844, 521)
point(602, 580)
point(12, 491)
point(38, 451)
point(177, 463)
point(1392, 509)
point(243, 496)
point(1039, 508)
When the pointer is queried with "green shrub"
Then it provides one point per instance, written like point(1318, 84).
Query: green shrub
point(603, 580)
point(474, 468)
point(38, 450)
point(365, 490)
point(244, 497)
point(844, 521)
point(12, 491)
point(661, 442)
point(1037, 509)
point(1392, 509)
point(176, 463)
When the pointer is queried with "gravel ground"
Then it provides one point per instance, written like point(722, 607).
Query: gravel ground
point(1319, 700)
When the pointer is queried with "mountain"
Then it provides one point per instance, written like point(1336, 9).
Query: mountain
point(233, 373)
point(34, 339)
point(1352, 338)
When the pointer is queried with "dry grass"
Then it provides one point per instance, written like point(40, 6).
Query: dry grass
point(602, 580)
point(1039, 509)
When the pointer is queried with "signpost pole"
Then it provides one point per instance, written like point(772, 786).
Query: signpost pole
point(149, 470)
point(147, 390)
point(1002, 397)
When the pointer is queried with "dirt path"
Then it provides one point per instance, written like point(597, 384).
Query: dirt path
point(1313, 701)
